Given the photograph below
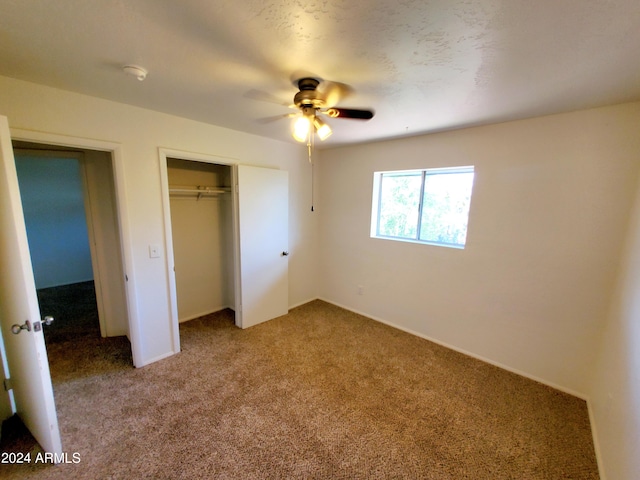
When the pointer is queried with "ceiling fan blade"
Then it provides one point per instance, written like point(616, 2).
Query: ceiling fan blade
point(333, 92)
point(350, 113)
point(266, 97)
point(275, 118)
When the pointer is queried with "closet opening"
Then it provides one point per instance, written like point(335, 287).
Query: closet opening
point(201, 209)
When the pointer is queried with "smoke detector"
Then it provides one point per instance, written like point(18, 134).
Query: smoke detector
point(136, 71)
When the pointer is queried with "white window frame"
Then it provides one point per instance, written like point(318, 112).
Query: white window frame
point(376, 203)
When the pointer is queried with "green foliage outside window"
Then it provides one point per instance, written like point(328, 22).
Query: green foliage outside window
point(424, 205)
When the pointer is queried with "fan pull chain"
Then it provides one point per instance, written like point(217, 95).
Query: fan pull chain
point(312, 189)
point(309, 148)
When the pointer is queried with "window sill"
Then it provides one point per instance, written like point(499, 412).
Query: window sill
point(420, 242)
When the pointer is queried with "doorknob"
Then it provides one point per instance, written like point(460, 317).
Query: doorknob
point(48, 320)
point(16, 329)
point(285, 254)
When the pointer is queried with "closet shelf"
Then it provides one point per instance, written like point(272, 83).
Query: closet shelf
point(199, 191)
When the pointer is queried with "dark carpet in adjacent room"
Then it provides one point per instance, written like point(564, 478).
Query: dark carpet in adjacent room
point(74, 310)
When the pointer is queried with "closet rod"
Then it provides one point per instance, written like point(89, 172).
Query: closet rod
point(199, 191)
point(207, 191)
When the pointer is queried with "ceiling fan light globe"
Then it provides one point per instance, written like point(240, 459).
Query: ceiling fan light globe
point(301, 128)
point(324, 131)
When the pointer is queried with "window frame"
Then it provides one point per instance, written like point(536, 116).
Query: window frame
point(376, 204)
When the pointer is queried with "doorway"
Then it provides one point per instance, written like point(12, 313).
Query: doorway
point(68, 198)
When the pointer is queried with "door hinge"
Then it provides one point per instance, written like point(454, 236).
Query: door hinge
point(8, 384)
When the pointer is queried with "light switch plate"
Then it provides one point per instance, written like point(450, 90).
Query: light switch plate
point(154, 251)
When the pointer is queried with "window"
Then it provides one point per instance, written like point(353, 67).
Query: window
point(429, 206)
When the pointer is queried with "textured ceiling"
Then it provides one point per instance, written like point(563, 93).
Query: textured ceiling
point(422, 65)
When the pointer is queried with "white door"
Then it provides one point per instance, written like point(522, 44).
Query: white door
point(27, 360)
point(263, 204)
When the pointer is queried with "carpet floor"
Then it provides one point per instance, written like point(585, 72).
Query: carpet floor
point(320, 393)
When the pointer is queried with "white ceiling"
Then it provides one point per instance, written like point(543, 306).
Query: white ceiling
point(422, 65)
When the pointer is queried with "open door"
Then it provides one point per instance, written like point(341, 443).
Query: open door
point(26, 353)
point(263, 204)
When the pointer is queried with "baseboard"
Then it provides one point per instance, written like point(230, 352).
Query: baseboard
point(202, 314)
point(291, 307)
point(596, 443)
point(464, 352)
point(65, 284)
point(157, 359)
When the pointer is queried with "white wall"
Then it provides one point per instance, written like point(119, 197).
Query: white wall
point(140, 132)
point(550, 204)
point(615, 392)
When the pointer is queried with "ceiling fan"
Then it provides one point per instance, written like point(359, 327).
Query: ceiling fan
point(318, 98)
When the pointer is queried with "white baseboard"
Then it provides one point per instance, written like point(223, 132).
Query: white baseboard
point(291, 307)
point(156, 359)
point(202, 314)
point(596, 443)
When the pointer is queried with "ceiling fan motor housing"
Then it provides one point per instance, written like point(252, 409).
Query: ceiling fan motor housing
point(308, 95)
point(308, 83)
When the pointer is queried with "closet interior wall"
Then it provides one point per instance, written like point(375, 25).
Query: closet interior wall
point(201, 227)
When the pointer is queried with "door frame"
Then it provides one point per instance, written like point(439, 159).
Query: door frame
point(117, 163)
point(163, 155)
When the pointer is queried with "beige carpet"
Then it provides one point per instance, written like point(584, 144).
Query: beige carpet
point(320, 393)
